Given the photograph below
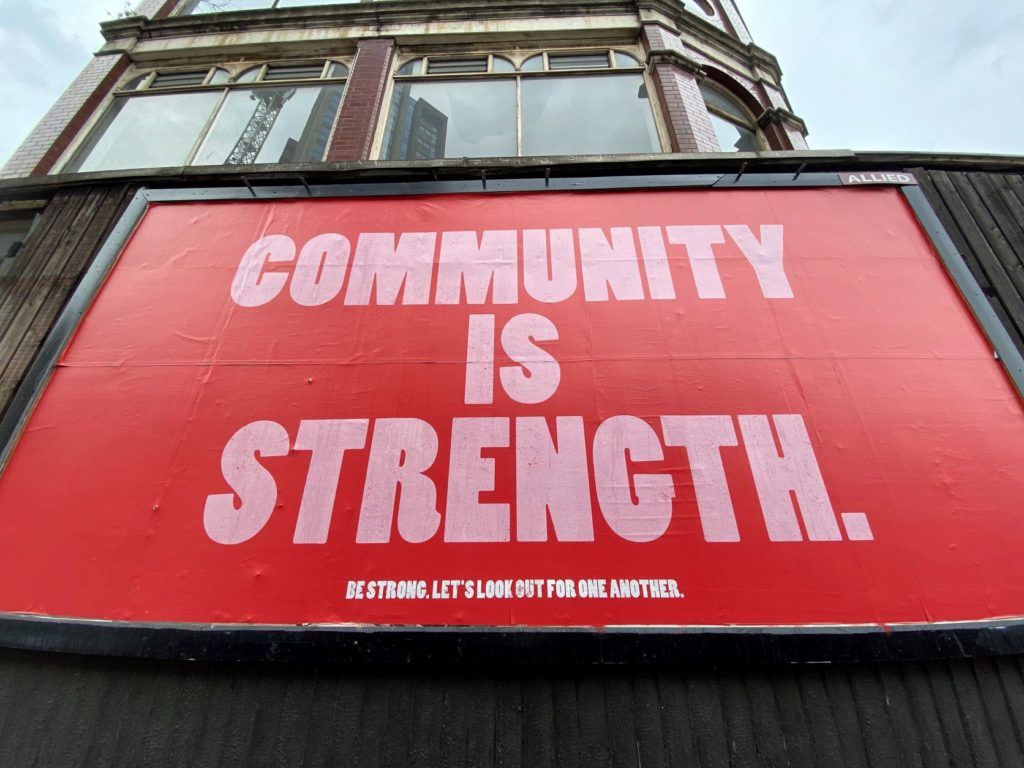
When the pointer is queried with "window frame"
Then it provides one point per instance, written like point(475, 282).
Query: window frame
point(93, 132)
point(519, 57)
point(750, 125)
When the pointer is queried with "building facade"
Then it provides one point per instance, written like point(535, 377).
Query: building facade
point(231, 83)
point(249, 226)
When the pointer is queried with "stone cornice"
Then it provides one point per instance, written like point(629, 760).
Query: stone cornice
point(749, 53)
point(122, 33)
point(362, 14)
point(780, 116)
point(675, 58)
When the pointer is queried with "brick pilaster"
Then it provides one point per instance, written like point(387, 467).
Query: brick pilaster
point(731, 13)
point(364, 96)
point(677, 81)
point(783, 129)
point(58, 128)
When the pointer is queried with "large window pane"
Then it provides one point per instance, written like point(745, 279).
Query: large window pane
point(272, 125)
point(732, 137)
point(594, 115)
point(148, 132)
point(472, 118)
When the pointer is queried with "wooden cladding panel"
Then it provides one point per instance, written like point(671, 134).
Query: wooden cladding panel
point(984, 215)
point(39, 282)
point(68, 711)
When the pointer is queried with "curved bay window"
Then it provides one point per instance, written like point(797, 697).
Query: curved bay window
point(734, 126)
point(557, 103)
point(270, 113)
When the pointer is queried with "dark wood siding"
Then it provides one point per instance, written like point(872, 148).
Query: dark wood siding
point(60, 711)
point(36, 284)
point(984, 215)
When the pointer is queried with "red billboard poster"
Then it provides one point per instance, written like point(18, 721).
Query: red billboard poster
point(657, 408)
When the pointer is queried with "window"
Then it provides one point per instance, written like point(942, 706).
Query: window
point(224, 6)
point(557, 103)
point(273, 113)
point(734, 126)
point(14, 230)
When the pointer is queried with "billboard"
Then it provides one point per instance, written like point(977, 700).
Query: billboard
point(660, 408)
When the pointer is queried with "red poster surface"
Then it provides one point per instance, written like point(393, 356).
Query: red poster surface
point(652, 408)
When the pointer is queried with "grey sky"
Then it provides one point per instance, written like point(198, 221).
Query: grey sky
point(872, 74)
point(900, 74)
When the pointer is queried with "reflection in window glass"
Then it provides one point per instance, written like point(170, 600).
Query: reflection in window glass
point(429, 121)
point(715, 99)
point(148, 132)
point(732, 137)
point(607, 114)
point(272, 125)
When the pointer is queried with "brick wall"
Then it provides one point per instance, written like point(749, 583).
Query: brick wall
point(56, 130)
point(357, 122)
point(734, 21)
point(685, 109)
point(689, 124)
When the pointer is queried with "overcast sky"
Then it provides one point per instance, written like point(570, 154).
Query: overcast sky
point(872, 74)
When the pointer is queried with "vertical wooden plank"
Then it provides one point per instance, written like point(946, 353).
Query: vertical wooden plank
point(707, 718)
point(30, 324)
point(921, 704)
point(428, 711)
point(1012, 682)
point(539, 724)
point(839, 693)
point(193, 713)
point(593, 722)
point(620, 716)
point(399, 722)
point(741, 734)
point(948, 710)
point(322, 711)
point(989, 228)
point(651, 739)
point(998, 713)
point(295, 724)
point(508, 744)
point(828, 749)
point(904, 726)
point(53, 228)
point(566, 726)
point(1006, 212)
point(989, 263)
point(680, 741)
point(969, 258)
point(973, 715)
point(799, 738)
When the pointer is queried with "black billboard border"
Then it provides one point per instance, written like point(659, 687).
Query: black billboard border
point(468, 647)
